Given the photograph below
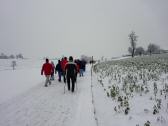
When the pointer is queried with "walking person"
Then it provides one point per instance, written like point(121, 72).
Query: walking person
point(77, 66)
point(63, 63)
point(59, 70)
point(53, 68)
point(81, 67)
point(71, 70)
point(47, 70)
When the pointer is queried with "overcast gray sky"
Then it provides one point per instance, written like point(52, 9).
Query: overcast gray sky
point(38, 28)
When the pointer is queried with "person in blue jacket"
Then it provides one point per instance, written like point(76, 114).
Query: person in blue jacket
point(58, 69)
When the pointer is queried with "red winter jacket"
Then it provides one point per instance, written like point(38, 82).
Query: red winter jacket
point(47, 69)
point(63, 63)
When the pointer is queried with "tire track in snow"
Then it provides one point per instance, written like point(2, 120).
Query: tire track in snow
point(93, 103)
point(85, 113)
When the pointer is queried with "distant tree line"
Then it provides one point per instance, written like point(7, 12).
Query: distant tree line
point(87, 59)
point(18, 56)
point(134, 50)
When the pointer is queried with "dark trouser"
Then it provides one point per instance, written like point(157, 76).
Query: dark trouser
point(59, 76)
point(72, 79)
point(76, 77)
point(63, 73)
point(81, 72)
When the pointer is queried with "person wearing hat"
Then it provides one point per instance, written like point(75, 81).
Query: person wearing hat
point(71, 69)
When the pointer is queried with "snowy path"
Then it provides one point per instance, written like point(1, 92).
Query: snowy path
point(49, 106)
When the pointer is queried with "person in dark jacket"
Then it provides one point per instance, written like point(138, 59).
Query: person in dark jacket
point(58, 69)
point(47, 70)
point(71, 70)
point(77, 65)
point(82, 67)
point(53, 68)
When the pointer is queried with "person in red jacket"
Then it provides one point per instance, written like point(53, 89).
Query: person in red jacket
point(47, 70)
point(63, 63)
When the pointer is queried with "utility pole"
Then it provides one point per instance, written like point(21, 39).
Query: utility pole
point(91, 66)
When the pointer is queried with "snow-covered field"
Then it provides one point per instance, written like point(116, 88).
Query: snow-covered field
point(120, 93)
point(136, 91)
point(26, 102)
point(15, 82)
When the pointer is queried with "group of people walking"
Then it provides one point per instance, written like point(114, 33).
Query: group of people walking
point(66, 69)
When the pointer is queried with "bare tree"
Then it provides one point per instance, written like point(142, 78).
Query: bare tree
point(3, 56)
point(152, 48)
point(11, 56)
point(133, 38)
point(13, 64)
point(19, 56)
point(139, 51)
point(130, 50)
point(86, 58)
